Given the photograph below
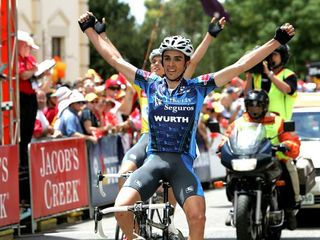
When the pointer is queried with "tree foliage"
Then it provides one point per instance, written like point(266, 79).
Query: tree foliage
point(252, 23)
point(122, 31)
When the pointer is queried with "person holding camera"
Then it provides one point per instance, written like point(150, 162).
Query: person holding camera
point(278, 81)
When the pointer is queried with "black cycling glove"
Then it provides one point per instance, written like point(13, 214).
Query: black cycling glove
point(214, 29)
point(282, 36)
point(87, 23)
point(100, 27)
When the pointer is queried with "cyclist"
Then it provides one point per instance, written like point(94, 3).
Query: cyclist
point(135, 157)
point(279, 81)
point(257, 104)
point(174, 105)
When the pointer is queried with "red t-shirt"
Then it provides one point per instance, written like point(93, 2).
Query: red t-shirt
point(25, 64)
point(50, 113)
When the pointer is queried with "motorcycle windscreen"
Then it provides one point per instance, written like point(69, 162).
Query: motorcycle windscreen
point(246, 138)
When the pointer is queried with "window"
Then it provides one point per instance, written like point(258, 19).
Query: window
point(57, 46)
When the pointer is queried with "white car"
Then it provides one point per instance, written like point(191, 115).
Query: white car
point(306, 115)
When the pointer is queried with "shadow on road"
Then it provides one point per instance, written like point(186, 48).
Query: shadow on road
point(308, 218)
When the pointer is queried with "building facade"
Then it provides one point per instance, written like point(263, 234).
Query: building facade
point(55, 29)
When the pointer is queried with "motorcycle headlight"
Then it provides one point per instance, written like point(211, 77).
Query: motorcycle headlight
point(246, 164)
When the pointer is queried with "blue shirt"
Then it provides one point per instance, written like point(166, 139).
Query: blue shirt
point(69, 123)
point(173, 117)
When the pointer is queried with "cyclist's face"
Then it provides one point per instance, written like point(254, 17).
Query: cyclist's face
point(174, 64)
point(156, 66)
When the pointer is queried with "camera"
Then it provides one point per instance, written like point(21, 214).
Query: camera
point(257, 68)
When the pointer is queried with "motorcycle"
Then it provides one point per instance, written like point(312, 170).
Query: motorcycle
point(253, 181)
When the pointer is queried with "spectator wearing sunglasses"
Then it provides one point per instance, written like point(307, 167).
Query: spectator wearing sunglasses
point(122, 92)
point(88, 118)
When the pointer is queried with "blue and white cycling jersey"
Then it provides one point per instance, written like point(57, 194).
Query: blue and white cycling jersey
point(173, 117)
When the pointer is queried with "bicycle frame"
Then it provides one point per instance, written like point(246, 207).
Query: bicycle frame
point(140, 210)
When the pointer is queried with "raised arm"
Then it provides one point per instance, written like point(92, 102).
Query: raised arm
point(249, 83)
point(100, 28)
point(213, 30)
point(87, 22)
point(282, 36)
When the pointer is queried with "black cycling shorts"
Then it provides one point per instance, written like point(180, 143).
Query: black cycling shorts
point(176, 168)
point(137, 153)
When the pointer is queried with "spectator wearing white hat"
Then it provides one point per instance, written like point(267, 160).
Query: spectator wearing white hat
point(70, 125)
point(62, 95)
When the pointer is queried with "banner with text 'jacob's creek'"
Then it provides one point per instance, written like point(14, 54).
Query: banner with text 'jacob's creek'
point(59, 176)
point(9, 185)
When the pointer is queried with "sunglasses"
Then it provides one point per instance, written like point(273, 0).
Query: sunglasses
point(114, 88)
point(81, 103)
point(94, 102)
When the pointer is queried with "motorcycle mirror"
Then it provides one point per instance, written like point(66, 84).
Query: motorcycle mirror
point(214, 126)
point(289, 126)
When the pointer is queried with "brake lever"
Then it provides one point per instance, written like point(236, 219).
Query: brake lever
point(99, 184)
point(283, 148)
point(97, 218)
point(100, 177)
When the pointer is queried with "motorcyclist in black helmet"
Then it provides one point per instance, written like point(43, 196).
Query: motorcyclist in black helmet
point(256, 103)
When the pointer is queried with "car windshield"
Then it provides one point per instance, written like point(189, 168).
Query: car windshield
point(246, 138)
point(307, 124)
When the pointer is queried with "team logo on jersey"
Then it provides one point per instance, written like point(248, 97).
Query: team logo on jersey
point(171, 119)
point(146, 75)
point(205, 78)
point(157, 101)
point(176, 109)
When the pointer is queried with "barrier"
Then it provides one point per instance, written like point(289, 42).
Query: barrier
point(63, 176)
point(103, 157)
point(9, 186)
point(58, 177)
point(208, 165)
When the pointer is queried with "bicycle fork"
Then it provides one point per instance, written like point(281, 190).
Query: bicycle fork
point(167, 211)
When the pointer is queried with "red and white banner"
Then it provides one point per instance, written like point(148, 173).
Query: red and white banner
point(59, 176)
point(9, 185)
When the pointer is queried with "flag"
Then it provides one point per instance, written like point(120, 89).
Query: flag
point(214, 8)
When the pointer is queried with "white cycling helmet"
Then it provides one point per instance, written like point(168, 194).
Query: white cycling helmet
point(178, 43)
point(155, 52)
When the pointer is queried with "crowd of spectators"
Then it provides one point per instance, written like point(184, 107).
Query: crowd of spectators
point(90, 109)
point(94, 108)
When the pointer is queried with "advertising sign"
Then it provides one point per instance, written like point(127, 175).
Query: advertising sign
point(59, 180)
point(103, 157)
point(9, 185)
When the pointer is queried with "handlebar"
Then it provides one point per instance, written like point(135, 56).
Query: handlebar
point(139, 206)
point(280, 147)
point(101, 176)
